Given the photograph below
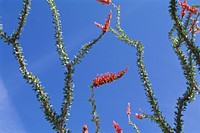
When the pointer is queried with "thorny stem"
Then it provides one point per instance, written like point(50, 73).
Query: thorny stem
point(144, 77)
point(67, 96)
point(149, 92)
point(118, 18)
point(182, 32)
point(42, 96)
point(133, 125)
point(95, 117)
point(189, 72)
point(22, 19)
point(84, 50)
point(5, 37)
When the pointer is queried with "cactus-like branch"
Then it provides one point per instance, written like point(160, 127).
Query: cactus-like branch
point(149, 92)
point(5, 37)
point(145, 80)
point(68, 96)
point(41, 95)
point(68, 87)
point(58, 33)
point(95, 116)
point(182, 31)
point(33, 80)
point(117, 26)
point(22, 19)
point(189, 72)
point(85, 49)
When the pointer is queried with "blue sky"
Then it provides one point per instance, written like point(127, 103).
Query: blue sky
point(144, 20)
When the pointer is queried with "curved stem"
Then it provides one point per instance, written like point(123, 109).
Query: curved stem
point(41, 95)
point(85, 49)
point(189, 72)
point(145, 80)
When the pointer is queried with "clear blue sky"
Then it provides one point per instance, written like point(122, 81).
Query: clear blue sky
point(144, 20)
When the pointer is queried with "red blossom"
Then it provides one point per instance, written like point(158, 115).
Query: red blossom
point(139, 116)
point(185, 7)
point(85, 129)
point(128, 109)
point(196, 29)
point(106, 25)
point(104, 2)
point(117, 128)
point(107, 78)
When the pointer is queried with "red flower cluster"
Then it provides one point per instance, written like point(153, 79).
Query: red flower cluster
point(139, 116)
point(85, 129)
point(196, 27)
point(107, 78)
point(185, 7)
point(106, 25)
point(128, 109)
point(104, 2)
point(117, 128)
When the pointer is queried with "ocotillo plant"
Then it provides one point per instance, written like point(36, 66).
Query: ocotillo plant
point(182, 35)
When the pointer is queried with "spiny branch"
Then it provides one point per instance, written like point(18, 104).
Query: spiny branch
point(22, 19)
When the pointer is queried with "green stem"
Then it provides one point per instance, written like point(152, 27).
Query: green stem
point(133, 125)
point(95, 117)
point(22, 19)
point(146, 83)
point(85, 49)
point(41, 95)
point(182, 32)
point(189, 72)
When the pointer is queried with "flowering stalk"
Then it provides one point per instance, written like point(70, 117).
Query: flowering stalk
point(117, 127)
point(106, 25)
point(185, 7)
point(128, 112)
point(141, 115)
point(98, 81)
point(107, 78)
point(103, 2)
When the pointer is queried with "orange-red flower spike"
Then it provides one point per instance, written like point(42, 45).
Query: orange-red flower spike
point(107, 78)
point(128, 109)
point(104, 2)
point(117, 128)
point(106, 25)
point(185, 7)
